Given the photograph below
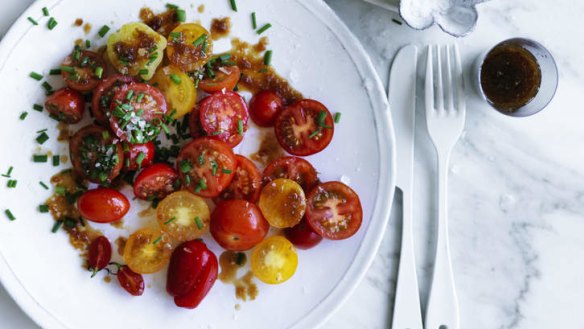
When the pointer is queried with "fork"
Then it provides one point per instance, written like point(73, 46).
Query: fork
point(445, 116)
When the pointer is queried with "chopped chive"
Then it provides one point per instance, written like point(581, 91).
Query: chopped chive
point(8, 173)
point(139, 97)
point(165, 128)
point(320, 120)
point(30, 19)
point(188, 180)
point(157, 240)
point(240, 127)
point(337, 117)
point(48, 88)
point(98, 72)
point(56, 160)
point(11, 183)
point(9, 214)
point(39, 158)
point(36, 76)
point(57, 226)
point(129, 95)
point(254, 22)
point(214, 167)
point(60, 190)
point(68, 69)
point(175, 78)
point(103, 31)
point(55, 71)
point(226, 171)
point(43, 208)
point(199, 222)
point(314, 133)
point(185, 166)
point(233, 5)
point(23, 115)
point(37, 107)
point(264, 28)
point(170, 220)
point(181, 15)
point(70, 222)
point(268, 58)
point(87, 44)
point(201, 159)
point(42, 138)
point(140, 158)
point(199, 41)
point(171, 6)
point(52, 23)
point(215, 133)
point(143, 72)
point(45, 11)
point(44, 185)
point(176, 36)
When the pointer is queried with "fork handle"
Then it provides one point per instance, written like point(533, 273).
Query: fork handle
point(442, 309)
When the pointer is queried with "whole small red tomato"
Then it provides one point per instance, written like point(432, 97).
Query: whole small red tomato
point(302, 235)
point(238, 225)
point(103, 205)
point(138, 156)
point(131, 281)
point(264, 106)
point(66, 105)
point(99, 254)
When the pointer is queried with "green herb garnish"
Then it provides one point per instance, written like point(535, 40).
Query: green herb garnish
point(103, 31)
point(264, 28)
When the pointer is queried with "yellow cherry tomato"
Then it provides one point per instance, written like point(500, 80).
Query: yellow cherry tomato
point(183, 216)
point(274, 260)
point(189, 47)
point(178, 89)
point(283, 203)
point(147, 251)
point(136, 49)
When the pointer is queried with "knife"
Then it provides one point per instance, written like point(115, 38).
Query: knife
point(402, 101)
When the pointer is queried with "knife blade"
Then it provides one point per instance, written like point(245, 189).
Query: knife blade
point(407, 312)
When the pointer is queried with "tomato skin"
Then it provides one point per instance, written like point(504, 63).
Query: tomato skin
point(303, 236)
point(147, 250)
point(264, 107)
point(192, 272)
point(155, 181)
point(226, 77)
point(238, 225)
point(299, 131)
point(103, 205)
point(182, 52)
point(195, 127)
point(103, 95)
point(66, 105)
point(283, 203)
point(294, 168)
point(221, 114)
point(99, 254)
point(132, 151)
point(274, 260)
point(84, 78)
point(131, 281)
point(246, 183)
point(338, 224)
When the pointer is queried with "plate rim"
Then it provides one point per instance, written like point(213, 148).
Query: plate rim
point(379, 218)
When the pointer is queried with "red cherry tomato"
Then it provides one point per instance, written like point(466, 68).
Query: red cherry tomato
point(294, 168)
point(66, 105)
point(224, 117)
point(238, 225)
point(206, 166)
point(99, 254)
point(103, 95)
point(155, 181)
point(195, 127)
point(191, 273)
point(79, 70)
point(302, 236)
point(246, 183)
point(226, 78)
point(137, 113)
point(264, 106)
point(103, 205)
point(95, 156)
point(334, 210)
point(304, 128)
point(138, 156)
point(131, 281)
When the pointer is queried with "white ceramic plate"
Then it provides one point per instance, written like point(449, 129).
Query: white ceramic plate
point(321, 58)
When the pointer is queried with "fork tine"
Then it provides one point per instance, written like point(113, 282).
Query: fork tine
point(459, 82)
point(429, 89)
point(449, 88)
point(438, 82)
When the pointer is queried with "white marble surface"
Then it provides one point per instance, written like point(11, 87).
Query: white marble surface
point(517, 185)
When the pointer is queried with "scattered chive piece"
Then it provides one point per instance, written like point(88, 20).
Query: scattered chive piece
point(188, 180)
point(215, 133)
point(44, 185)
point(39, 158)
point(233, 5)
point(11, 183)
point(43, 208)
point(240, 127)
point(68, 69)
point(42, 138)
point(314, 133)
point(175, 78)
point(226, 171)
point(320, 120)
point(337, 118)
point(140, 158)
point(139, 98)
point(48, 88)
point(396, 21)
point(36, 76)
point(23, 115)
point(199, 222)
point(268, 58)
point(170, 220)
point(143, 72)
point(157, 240)
point(60, 190)
point(99, 72)
point(56, 160)
point(45, 11)
point(176, 36)
point(254, 22)
point(57, 226)
point(201, 159)
point(32, 20)
point(165, 128)
point(87, 44)
point(37, 107)
point(185, 166)
point(103, 31)
point(8, 173)
point(264, 28)
point(9, 214)
point(181, 15)
point(55, 71)
point(52, 23)
point(240, 258)
point(199, 41)
point(171, 6)
point(129, 95)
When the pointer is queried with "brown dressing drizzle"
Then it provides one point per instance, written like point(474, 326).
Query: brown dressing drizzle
point(201, 9)
point(64, 133)
point(245, 288)
point(220, 27)
point(269, 149)
point(87, 28)
point(162, 23)
point(121, 244)
point(107, 279)
point(78, 22)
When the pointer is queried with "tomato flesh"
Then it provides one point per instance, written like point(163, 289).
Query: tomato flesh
point(264, 107)
point(155, 182)
point(195, 127)
point(103, 95)
point(66, 105)
point(183, 216)
point(246, 183)
point(79, 69)
point(137, 156)
point(283, 203)
point(131, 281)
point(103, 205)
point(274, 260)
point(224, 117)
point(178, 90)
point(147, 251)
point(294, 168)
point(238, 225)
point(226, 78)
point(189, 47)
point(99, 254)
point(334, 211)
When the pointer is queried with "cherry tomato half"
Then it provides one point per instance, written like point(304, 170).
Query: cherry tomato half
point(264, 107)
point(294, 168)
point(103, 205)
point(155, 181)
point(282, 203)
point(195, 127)
point(103, 95)
point(189, 47)
point(131, 281)
point(80, 69)
point(206, 166)
point(302, 236)
point(178, 90)
point(224, 117)
point(183, 216)
point(226, 78)
point(147, 251)
point(99, 254)
point(238, 225)
point(274, 260)
point(304, 128)
point(137, 156)
point(246, 183)
point(334, 210)
point(66, 105)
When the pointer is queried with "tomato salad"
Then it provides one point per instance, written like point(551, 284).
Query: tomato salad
point(163, 82)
